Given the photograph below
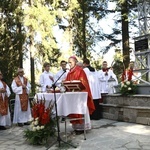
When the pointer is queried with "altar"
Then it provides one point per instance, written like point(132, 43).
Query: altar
point(67, 103)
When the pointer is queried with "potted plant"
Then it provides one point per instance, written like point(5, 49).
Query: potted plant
point(42, 125)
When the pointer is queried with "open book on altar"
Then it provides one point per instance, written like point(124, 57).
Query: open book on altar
point(74, 85)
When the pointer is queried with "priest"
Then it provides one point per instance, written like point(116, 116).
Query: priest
point(77, 73)
point(5, 119)
point(21, 87)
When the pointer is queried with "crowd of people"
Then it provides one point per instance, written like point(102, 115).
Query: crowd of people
point(96, 83)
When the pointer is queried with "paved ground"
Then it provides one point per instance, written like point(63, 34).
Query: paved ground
point(105, 135)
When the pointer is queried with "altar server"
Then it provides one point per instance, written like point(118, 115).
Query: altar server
point(46, 78)
point(21, 87)
point(5, 119)
point(92, 77)
point(62, 73)
point(107, 79)
point(77, 73)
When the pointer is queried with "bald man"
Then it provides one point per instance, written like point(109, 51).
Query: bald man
point(21, 87)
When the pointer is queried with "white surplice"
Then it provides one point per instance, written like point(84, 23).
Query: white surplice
point(94, 84)
point(45, 80)
point(107, 82)
point(5, 120)
point(19, 115)
point(63, 77)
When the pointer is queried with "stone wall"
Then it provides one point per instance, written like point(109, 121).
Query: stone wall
point(135, 108)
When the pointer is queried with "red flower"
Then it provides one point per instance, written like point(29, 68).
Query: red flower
point(35, 110)
point(41, 108)
point(129, 73)
point(45, 117)
point(39, 111)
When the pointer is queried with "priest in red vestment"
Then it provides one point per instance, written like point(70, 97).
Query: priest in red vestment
point(77, 73)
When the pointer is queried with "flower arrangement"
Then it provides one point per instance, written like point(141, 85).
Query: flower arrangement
point(42, 125)
point(128, 87)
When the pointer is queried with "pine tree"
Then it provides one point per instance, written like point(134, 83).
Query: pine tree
point(12, 36)
point(40, 18)
point(125, 10)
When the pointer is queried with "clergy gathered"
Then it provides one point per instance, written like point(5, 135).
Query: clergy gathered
point(97, 83)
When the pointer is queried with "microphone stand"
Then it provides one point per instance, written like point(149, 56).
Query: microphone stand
point(59, 140)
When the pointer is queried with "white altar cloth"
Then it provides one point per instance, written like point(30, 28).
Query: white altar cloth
point(67, 103)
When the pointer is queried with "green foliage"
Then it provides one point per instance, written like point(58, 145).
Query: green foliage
point(128, 88)
point(40, 136)
point(117, 64)
point(28, 26)
point(40, 20)
point(12, 37)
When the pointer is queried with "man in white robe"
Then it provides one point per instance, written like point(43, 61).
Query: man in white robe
point(107, 79)
point(22, 111)
point(5, 119)
point(46, 78)
point(62, 73)
point(94, 84)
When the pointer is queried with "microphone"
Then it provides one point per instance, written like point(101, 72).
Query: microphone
point(64, 70)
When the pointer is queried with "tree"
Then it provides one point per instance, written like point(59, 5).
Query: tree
point(40, 18)
point(86, 33)
point(12, 36)
point(126, 9)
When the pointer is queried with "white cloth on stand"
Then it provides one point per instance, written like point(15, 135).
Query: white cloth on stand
point(48, 97)
point(45, 80)
point(19, 115)
point(93, 83)
point(107, 82)
point(5, 120)
point(72, 103)
point(69, 103)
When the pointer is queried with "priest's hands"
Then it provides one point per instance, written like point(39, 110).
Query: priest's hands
point(2, 90)
point(24, 86)
point(48, 87)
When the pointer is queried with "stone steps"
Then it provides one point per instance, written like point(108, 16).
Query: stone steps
point(135, 108)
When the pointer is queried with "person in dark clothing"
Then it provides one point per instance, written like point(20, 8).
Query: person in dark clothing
point(94, 87)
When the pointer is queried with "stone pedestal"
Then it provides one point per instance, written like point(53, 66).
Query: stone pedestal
point(135, 108)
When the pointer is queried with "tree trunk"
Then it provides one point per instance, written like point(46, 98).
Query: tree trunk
point(84, 50)
point(32, 66)
point(20, 46)
point(32, 58)
point(125, 33)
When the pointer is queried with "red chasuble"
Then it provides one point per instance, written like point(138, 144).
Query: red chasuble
point(77, 73)
point(24, 95)
point(3, 102)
